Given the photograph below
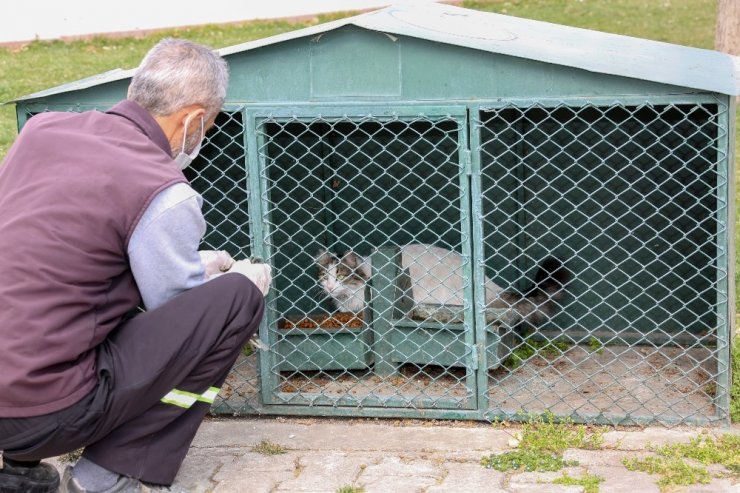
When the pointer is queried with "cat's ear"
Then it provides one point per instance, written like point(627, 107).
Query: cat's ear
point(358, 264)
point(324, 258)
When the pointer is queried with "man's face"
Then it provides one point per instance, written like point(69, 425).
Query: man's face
point(192, 133)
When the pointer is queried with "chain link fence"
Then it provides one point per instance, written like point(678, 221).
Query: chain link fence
point(634, 198)
point(488, 261)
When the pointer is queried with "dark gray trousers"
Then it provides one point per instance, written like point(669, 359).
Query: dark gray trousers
point(189, 344)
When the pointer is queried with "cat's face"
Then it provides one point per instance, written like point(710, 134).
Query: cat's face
point(344, 279)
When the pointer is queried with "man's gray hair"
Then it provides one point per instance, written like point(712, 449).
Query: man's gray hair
point(177, 73)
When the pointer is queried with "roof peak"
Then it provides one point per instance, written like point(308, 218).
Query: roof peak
point(594, 51)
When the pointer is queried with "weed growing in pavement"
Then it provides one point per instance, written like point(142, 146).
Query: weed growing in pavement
point(671, 464)
point(589, 482)
point(526, 460)
point(268, 448)
point(544, 433)
point(541, 444)
point(735, 358)
point(673, 471)
point(595, 345)
point(351, 489)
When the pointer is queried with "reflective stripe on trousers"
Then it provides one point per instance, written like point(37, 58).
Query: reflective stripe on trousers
point(181, 398)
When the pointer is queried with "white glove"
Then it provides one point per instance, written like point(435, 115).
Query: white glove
point(215, 262)
point(259, 274)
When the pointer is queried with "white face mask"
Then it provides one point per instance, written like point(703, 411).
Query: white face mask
point(183, 160)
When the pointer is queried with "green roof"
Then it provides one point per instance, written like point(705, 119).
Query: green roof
point(593, 51)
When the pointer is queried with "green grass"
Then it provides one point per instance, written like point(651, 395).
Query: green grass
point(531, 346)
point(686, 22)
point(248, 350)
point(735, 387)
point(526, 460)
point(673, 472)
point(351, 489)
point(548, 434)
point(706, 450)
point(43, 64)
point(595, 345)
point(589, 482)
point(265, 447)
point(684, 464)
point(542, 441)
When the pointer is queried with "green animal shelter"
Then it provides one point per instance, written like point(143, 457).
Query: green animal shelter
point(500, 142)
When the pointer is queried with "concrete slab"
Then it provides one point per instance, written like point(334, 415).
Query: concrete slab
point(542, 482)
point(254, 472)
point(653, 436)
point(715, 486)
point(400, 475)
point(197, 471)
point(326, 472)
point(470, 478)
point(617, 479)
point(347, 435)
point(396, 456)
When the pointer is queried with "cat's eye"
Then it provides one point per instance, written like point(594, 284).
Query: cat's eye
point(341, 277)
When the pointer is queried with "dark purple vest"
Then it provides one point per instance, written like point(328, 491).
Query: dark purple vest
point(72, 189)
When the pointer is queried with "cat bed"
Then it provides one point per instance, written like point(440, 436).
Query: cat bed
point(407, 330)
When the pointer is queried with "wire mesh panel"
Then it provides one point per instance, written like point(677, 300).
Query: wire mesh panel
point(630, 199)
point(344, 198)
point(219, 174)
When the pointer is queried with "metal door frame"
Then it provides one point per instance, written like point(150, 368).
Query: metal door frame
point(259, 207)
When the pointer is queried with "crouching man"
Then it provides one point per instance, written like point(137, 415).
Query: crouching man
point(96, 216)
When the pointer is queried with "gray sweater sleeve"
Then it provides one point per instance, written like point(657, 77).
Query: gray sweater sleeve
point(163, 249)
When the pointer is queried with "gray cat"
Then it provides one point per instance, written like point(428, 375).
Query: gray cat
point(434, 276)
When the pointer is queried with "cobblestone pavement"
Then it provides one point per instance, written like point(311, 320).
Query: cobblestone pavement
point(399, 456)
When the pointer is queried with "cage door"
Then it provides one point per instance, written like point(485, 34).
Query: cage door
point(352, 201)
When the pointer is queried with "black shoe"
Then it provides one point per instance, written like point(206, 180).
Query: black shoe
point(41, 478)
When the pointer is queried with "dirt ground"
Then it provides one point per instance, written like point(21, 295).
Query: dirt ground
point(643, 383)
